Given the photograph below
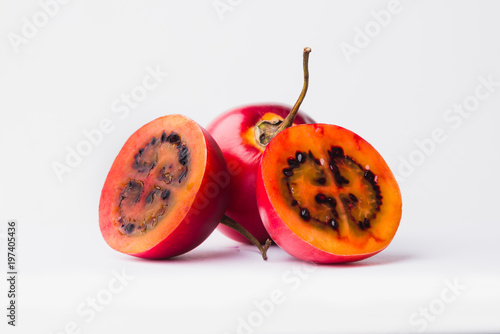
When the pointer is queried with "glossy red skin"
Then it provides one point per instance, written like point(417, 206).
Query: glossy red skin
point(203, 216)
point(243, 160)
point(286, 239)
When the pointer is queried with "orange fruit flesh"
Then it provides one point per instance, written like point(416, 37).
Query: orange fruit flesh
point(332, 189)
point(152, 184)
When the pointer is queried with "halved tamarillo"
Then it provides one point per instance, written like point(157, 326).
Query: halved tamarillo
point(242, 135)
point(326, 195)
point(165, 192)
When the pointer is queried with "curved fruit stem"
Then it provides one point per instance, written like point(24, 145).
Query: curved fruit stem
point(266, 130)
point(288, 121)
point(237, 227)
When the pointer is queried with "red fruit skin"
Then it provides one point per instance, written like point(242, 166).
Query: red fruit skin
point(295, 246)
point(243, 160)
point(204, 214)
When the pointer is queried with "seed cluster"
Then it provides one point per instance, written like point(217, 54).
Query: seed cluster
point(337, 153)
point(349, 201)
point(156, 198)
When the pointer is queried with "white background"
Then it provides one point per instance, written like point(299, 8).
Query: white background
point(396, 90)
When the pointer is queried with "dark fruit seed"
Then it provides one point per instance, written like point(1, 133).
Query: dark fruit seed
point(305, 214)
point(293, 163)
point(320, 198)
point(183, 174)
point(337, 151)
point(131, 186)
point(165, 194)
point(129, 228)
point(339, 179)
point(288, 172)
point(343, 180)
point(369, 176)
point(150, 197)
point(333, 224)
point(163, 137)
point(183, 153)
point(353, 198)
point(365, 224)
point(294, 202)
point(316, 161)
point(301, 158)
point(153, 141)
point(173, 138)
point(332, 202)
point(141, 151)
point(321, 180)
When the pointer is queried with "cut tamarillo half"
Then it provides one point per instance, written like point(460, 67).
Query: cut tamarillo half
point(326, 195)
point(166, 191)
